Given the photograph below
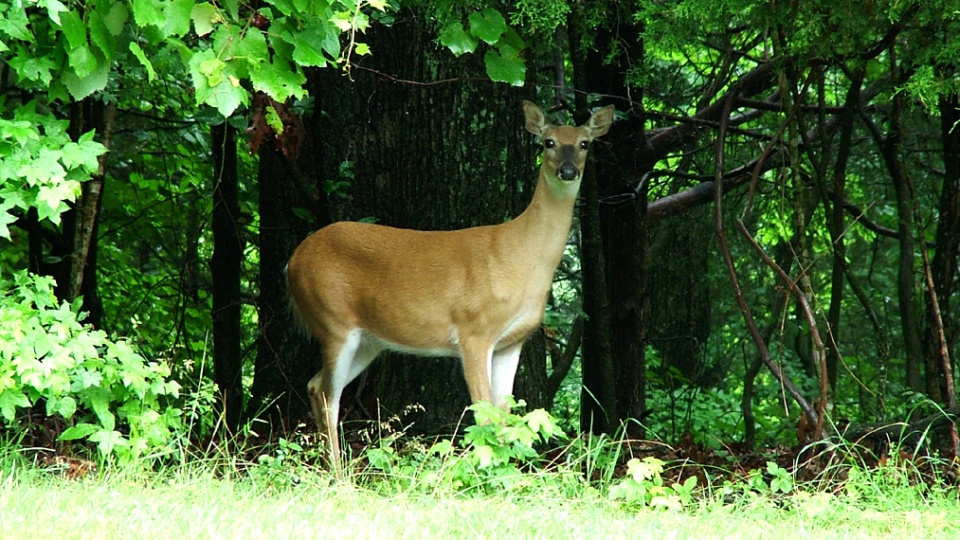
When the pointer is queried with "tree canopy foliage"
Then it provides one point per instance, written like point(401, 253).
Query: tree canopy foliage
point(770, 231)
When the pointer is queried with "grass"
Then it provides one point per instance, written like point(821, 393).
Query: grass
point(475, 489)
point(194, 501)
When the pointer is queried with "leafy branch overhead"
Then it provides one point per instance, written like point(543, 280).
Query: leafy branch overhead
point(503, 59)
point(229, 50)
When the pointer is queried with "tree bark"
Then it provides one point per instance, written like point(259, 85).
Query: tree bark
point(947, 247)
point(225, 268)
point(906, 283)
point(424, 142)
point(74, 250)
point(615, 332)
point(598, 397)
point(287, 358)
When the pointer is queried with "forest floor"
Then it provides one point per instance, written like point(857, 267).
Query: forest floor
point(840, 491)
point(825, 464)
point(199, 502)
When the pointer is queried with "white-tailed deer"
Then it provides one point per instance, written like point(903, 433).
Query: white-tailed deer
point(474, 293)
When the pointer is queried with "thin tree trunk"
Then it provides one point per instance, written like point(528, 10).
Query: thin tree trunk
point(77, 274)
point(836, 225)
point(287, 357)
point(598, 397)
point(947, 251)
point(88, 208)
point(889, 146)
point(225, 268)
point(598, 400)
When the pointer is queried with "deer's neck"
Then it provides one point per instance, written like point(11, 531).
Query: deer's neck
point(542, 229)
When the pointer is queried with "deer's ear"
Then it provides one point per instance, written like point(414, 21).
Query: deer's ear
point(599, 123)
point(536, 123)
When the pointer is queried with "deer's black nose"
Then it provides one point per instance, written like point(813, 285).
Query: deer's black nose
point(568, 171)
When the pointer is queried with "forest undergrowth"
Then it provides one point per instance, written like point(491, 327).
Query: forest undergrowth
point(506, 451)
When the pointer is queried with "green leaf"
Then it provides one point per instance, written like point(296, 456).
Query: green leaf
point(204, 16)
point(107, 440)
point(513, 39)
point(83, 154)
point(116, 18)
point(6, 218)
point(226, 97)
point(148, 13)
point(54, 198)
point(10, 399)
point(249, 52)
point(487, 25)
point(540, 421)
point(100, 403)
point(82, 60)
point(484, 455)
point(308, 46)
point(15, 24)
point(284, 6)
point(101, 36)
point(54, 9)
point(79, 431)
point(138, 53)
point(21, 131)
point(207, 70)
point(86, 378)
point(232, 7)
point(459, 41)
point(505, 65)
point(33, 68)
point(273, 120)
point(278, 81)
point(82, 86)
point(73, 29)
point(177, 14)
point(362, 49)
point(344, 21)
point(44, 168)
point(65, 406)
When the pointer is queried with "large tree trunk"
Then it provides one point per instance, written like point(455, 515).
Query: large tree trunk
point(440, 155)
point(614, 361)
point(679, 290)
point(598, 397)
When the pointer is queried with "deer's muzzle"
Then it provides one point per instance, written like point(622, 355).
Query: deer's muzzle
point(568, 171)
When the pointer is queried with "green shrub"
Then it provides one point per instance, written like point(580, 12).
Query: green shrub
point(493, 454)
point(643, 486)
point(40, 166)
point(105, 391)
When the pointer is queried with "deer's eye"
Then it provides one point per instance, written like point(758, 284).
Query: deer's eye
point(549, 143)
point(584, 144)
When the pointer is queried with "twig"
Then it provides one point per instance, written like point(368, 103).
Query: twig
point(785, 381)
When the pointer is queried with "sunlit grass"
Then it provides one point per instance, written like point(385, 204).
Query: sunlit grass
point(196, 501)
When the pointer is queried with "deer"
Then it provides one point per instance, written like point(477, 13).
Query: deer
point(475, 293)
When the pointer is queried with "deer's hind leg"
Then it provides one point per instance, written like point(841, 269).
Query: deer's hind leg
point(343, 360)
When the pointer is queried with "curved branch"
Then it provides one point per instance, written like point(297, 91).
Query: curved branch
point(808, 410)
